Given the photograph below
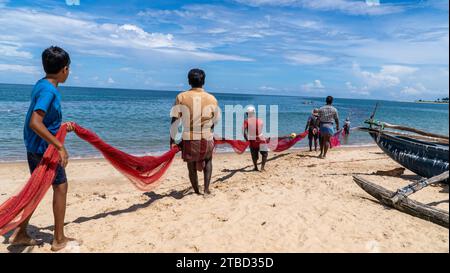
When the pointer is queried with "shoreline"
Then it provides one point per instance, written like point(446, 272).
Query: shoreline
point(227, 151)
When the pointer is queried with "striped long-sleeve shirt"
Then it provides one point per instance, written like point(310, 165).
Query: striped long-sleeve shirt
point(328, 114)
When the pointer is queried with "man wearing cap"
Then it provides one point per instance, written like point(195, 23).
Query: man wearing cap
point(312, 126)
point(199, 111)
point(253, 127)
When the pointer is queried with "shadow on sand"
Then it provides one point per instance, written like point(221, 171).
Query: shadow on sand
point(231, 173)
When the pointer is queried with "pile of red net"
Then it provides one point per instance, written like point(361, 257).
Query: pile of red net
point(143, 172)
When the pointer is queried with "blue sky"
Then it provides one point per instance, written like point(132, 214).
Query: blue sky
point(396, 50)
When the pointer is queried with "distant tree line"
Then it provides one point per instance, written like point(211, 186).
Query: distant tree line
point(443, 100)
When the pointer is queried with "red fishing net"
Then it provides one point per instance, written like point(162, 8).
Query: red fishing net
point(335, 139)
point(239, 146)
point(285, 142)
point(143, 172)
point(17, 208)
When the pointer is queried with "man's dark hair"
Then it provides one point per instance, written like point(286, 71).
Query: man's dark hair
point(329, 100)
point(54, 59)
point(196, 78)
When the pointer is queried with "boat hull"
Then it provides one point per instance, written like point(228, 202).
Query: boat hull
point(422, 158)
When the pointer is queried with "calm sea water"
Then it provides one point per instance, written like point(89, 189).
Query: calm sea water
point(137, 121)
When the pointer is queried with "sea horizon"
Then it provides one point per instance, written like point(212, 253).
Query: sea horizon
point(137, 121)
point(258, 93)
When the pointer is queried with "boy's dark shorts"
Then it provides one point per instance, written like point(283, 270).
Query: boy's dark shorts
point(34, 160)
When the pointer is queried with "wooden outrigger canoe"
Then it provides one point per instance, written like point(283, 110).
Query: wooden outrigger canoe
point(399, 199)
point(425, 154)
point(422, 157)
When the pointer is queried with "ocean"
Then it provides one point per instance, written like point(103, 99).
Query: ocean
point(138, 121)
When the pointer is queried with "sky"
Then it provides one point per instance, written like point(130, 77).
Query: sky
point(394, 50)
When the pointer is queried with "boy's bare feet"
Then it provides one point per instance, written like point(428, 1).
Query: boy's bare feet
point(23, 239)
point(58, 245)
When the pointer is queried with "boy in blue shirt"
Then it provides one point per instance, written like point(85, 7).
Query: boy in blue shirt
point(42, 122)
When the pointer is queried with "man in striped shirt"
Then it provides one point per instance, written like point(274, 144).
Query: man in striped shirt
point(327, 115)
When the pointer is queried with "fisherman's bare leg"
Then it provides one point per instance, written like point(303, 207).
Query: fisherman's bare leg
point(192, 167)
point(20, 235)
point(326, 144)
point(310, 140)
point(264, 156)
point(59, 211)
point(315, 143)
point(255, 158)
point(321, 145)
point(207, 174)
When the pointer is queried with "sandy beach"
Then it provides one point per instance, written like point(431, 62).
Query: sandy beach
point(300, 204)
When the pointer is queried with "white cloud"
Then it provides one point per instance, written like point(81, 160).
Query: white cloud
point(27, 69)
point(398, 81)
point(12, 50)
point(137, 36)
point(373, 2)
point(418, 89)
point(86, 34)
point(398, 70)
point(403, 50)
point(358, 91)
point(369, 7)
point(213, 25)
point(267, 88)
point(205, 56)
point(110, 80)
point(388, 76)
point(349, 85)
point(316, 85)
point(304, 58)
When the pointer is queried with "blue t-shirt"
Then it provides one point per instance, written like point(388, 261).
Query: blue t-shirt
point(47, 98)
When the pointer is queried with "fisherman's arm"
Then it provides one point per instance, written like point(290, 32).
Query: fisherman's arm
point(336, 118)
point(173, 124)
point(245, 130)
point(175, 113)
